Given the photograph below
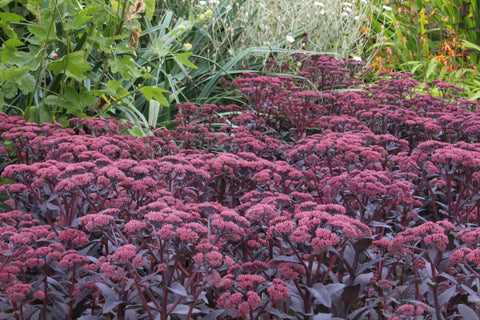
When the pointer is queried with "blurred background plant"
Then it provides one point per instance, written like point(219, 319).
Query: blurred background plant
point(433, 39)
point(136, 59)
point(338, 27)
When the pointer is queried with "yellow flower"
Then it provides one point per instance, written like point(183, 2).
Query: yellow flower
point(187, 46)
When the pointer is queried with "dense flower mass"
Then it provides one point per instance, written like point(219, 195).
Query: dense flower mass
point(309, 200)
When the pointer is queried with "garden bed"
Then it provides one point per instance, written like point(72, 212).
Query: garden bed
point(319, 199)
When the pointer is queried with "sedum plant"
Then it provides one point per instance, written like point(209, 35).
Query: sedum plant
point(364, 207)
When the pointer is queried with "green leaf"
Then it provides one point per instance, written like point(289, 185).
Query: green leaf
point(156, 93)
point(74, 65)
point(6, 17)
point(11, 73)
point(115, 89)
point(13, 43)
point(159, 49)
point(41, 34)
point(9, 89)
point(182, 58)
point(149, 8)
point(9, 50)
point(81, 18)
point(77, 102)
point(126, 67)
point(470, 45)
point(3, 3)
point(26, 83)
point(431, 68)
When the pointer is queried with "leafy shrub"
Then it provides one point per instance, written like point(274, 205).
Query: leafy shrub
point(435, 40)
point(368, 208)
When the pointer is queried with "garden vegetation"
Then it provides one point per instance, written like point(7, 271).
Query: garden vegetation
point(254, 183)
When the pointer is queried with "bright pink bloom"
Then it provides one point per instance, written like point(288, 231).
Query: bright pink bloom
point(18, 291)
point(278, 290)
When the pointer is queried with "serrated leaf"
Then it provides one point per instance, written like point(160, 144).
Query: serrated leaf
point(74, 65)
point(41, 34)
point(149, 8)
point(77, 102)
point(155, 93)
point(182, 58)
point(26, 83)
point(159, 49)
point(125, 67)
point(178, 289)
point(6, 17)
point(12, 73)
point(9, 89)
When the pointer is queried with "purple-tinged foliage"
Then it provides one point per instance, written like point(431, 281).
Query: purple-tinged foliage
point(308, 203)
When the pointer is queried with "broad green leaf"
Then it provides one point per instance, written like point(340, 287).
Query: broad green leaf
point(9, 89)
point(156, 93)
point(11, 73)
point(115, 89)
point(74, 65)
point(159, 49)
point(26, 59)
point(41, 34)
point(13, 43)
point(149, 8)
point(81, 18)
point(6, 17)
point(77, 102)
point(125, 67)
point(182, 58)
point(26, 83)
point(9, 50)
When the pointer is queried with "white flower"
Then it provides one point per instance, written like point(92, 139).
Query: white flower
point(202, 3)
point(357, 58)
point(318, 3)
point(290, 39)
point(387, 8)
point(322, 12)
